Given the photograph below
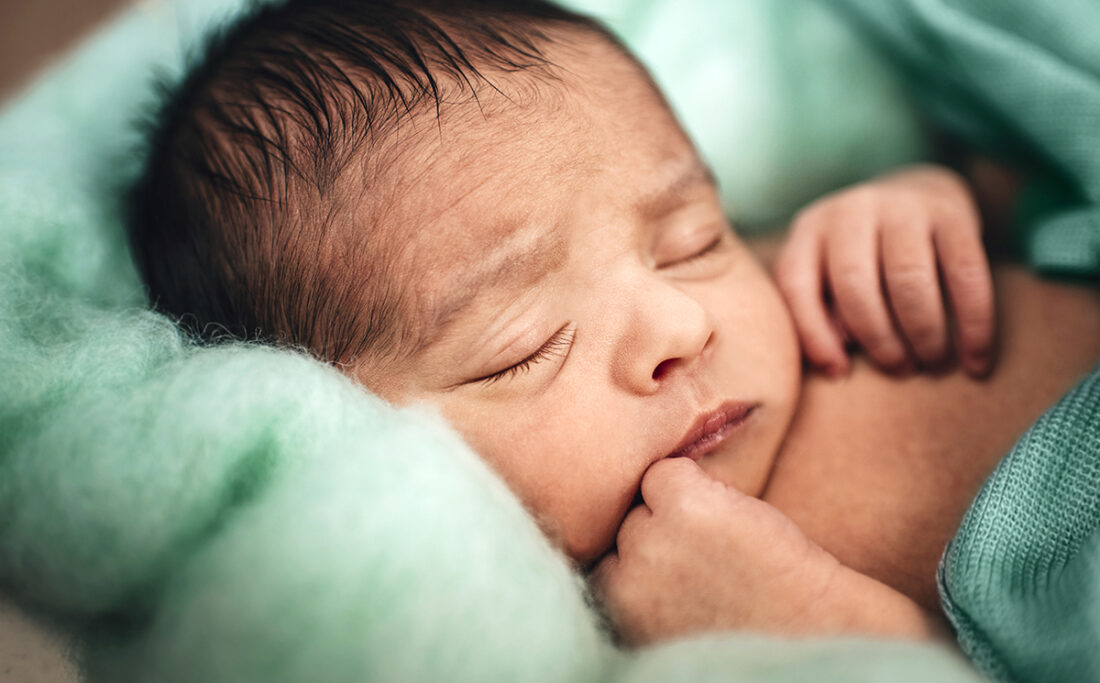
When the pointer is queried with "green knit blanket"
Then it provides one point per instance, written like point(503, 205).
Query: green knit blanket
point(1017, 79)
point(1021, 580)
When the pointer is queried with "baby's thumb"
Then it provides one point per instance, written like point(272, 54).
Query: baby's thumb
point(670, 478)
point(602, 579)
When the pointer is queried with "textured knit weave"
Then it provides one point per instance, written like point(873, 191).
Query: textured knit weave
point(1021, 580)
point(1017, 78)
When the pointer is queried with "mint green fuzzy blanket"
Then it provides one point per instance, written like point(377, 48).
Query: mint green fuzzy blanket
point(246, 514)
point(1021, 580)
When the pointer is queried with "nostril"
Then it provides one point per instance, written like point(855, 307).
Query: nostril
point(662, 368)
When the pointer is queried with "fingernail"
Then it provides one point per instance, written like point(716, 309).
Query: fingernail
point(838, 370)
point(977, 364)
point(907, 367)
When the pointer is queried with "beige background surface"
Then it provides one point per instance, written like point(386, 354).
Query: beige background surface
point(32, 32)
point(29, 651)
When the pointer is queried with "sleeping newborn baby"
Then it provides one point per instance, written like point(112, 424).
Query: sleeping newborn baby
point(486, 206)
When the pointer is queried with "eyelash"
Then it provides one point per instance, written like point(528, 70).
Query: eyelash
point(557, 345)
point(706, 251)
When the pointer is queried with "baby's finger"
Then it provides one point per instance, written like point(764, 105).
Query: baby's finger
point(909, 268)
point(854, 275)
point(798, 272)
point(632, 527)
point(669, 479)
point(602, 576)
point(621, 599)
point(970, 286)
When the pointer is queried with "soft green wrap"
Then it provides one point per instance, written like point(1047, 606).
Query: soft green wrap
point(1021, 580)
point(1014, 78)
point(246, 514)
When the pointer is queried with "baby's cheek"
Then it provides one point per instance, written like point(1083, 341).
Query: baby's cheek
point(759, 361)
point(555, 462)
point(582, 493)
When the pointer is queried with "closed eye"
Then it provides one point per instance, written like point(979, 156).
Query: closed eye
point(705, 251)
point(557, 345)
point(714, 246)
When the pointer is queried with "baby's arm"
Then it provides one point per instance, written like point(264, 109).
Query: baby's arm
point(700, 556)
point(869, 261)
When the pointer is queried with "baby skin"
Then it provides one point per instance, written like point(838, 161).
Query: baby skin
point(600, 335)
point(881, 247)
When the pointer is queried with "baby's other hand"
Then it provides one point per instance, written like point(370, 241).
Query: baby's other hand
point(879, 251)
point(701, 556)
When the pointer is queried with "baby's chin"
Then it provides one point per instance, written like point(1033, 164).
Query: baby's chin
point(585, 557)
point(746, 465)
point(587, 550)
point(750, 482)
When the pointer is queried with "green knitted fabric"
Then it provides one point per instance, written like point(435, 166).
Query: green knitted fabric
point(1021, 580)
point(1016, 78)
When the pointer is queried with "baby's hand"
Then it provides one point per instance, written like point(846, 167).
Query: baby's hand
point(701, 556)
point(879, 250)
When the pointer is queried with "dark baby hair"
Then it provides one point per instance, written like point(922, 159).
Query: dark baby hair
point(243, 224)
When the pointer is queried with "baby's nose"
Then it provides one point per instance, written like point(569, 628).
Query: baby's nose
point(670, 333)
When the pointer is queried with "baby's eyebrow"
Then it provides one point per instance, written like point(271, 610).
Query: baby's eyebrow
point(507, 265)
point(695, 172)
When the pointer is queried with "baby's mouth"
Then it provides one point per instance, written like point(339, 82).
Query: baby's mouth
point(705, 435)
point(711, 429)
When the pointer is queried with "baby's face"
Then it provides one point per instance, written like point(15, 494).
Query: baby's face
point(585, 305)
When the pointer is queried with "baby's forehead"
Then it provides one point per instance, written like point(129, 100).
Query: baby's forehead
point(480, 194)
point(492, 247)
point(497, 159)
